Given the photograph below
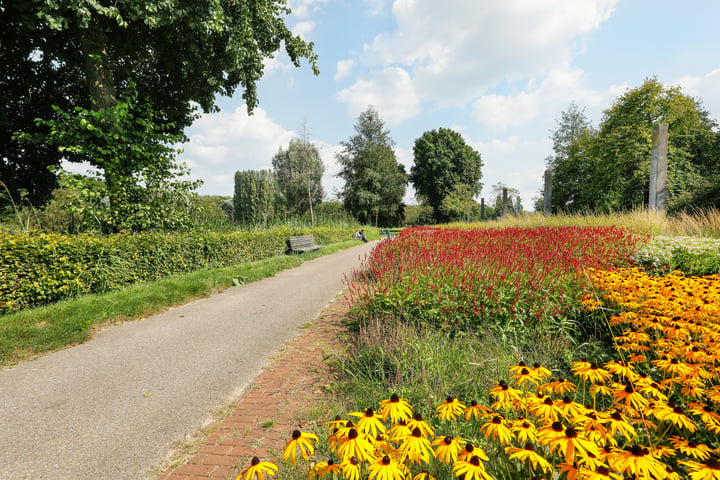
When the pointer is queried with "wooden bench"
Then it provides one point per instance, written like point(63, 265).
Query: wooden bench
point(302, 243)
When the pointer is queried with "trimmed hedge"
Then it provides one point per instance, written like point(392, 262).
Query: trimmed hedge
point(37, 269)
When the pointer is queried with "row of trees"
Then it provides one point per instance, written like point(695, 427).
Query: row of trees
point(608, 167)
point(446, 176)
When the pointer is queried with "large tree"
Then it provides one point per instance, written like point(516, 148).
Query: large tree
point(254, 198)
point(299, 171)
point(442, 161)
point(374, 180)
point(572, 163)
point(113, 57)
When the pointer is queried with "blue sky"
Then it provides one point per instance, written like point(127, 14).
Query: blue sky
point(498, 72)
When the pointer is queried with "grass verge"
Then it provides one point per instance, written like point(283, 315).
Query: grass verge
point(35, 331)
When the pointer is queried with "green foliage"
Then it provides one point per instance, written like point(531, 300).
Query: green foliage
point(442, 161)
point(255, 197)
point(299, 171)
point(75, 53)
point(459, 203)
point(43, 268)
point(374, 180)
point(609, 169)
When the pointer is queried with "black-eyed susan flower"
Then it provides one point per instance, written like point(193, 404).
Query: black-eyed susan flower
point(257, 470)
point(398, 431)
point(299, 443)
point(522, 375)
point(590, 372)
point(677, 417)
point(600, 473)
point(335, 424)
point(351, 468)
point(546, 410)
point(415, 447)
point(447, 448)
point(497, 429)
point(423, 475)
point(386, 468)
point(562, 386)
point(568, 408)
point(356, 445)
point(470, 450)
point(505, 395)
point(571, 443)
point(369, 422)
point(539, 372)
point(621, 369)
point(418, 422)
point(330, 468)
point(637, 461)
point(708, 470)
point(472, 469)
point(524, 430)
point(476, 411)
point(398, 409)
point(570, 470)
point(628, 396)
point(450, 409)
point(528, 455)
point(699, 451)
point(616, 423)
point(548, 433)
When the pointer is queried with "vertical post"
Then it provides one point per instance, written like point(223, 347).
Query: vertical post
point(658, 168)
point(548, 192)
point(482, 209)
point(504, 204)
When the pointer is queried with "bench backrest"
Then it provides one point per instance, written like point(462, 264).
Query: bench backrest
point(302, 241)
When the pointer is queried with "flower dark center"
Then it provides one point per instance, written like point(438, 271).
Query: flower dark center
point(448, 440)
point(497, 420)
point(475, 461)
point(394, 398)
point(352, 434)
point(629, 389)
point(524, 371)
point(570, 432)
point(616, 416)
point(522, 364)
point(449, 399)
point(594, 366)
point(296, 434)
point(603, 470)
point(548, 401)
point(678, 409)
point(473, 403)
point(355, 460)
point(567, 400)
point(525, 425)
point(469, 447)
point(349, 424)
point(416, 432)
point(536, 365)
point(692, 444)
point(637, 451)
point(713, 463)
point(330, 462)
point(557, 427)
point(530, 446)
point(369, 413)
point(418, 417)
point(386, 460)
point(254, 461)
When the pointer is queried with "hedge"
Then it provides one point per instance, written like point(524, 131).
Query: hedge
point(38, 269)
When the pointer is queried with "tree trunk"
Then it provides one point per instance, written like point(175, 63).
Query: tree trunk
point(98, 72)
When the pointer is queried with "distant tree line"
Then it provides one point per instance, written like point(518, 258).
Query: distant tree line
point(608, 168)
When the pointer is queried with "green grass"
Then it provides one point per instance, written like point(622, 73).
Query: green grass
point(38, 330)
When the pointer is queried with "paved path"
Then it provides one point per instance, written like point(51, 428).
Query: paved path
point(112, 407)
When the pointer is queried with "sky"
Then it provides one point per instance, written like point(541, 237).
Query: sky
point(498, 72)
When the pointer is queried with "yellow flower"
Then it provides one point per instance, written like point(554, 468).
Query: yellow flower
point(529, 455)
point(351, 468)
point(471, 470)
point(497, 429)
point(356, 445)
point(616, 423)
point(369, 422)
point(600, 473)
point(450, 409)
point(630, 397)
point(398, 409)
point(476, 411)
point(447, 448)
point(571, 443)
point(257, 470)
point(301, 443)
point(677, 417)
point(386, 469)
point(416, 447)
point(637, 461)
point(423, 475)
point(696, 450)
point(710, 470)
point(470, 451)
point(418, 422)
point(524, 430)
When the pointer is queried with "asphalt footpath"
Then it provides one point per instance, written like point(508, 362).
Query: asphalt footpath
point(114, 406)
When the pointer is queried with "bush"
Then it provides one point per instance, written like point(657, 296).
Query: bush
point(38, 269)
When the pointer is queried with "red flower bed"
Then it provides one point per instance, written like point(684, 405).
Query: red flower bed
point(474, 276)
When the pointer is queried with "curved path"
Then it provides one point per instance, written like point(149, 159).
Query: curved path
point(112, 407)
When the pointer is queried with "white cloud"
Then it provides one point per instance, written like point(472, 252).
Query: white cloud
point(706, 88)
point(303, 28)
point(390, 91)
point(225, 142)
point(343, 69)
point(457, 49)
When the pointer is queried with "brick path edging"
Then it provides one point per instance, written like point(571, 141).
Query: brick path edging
point(267, 411)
